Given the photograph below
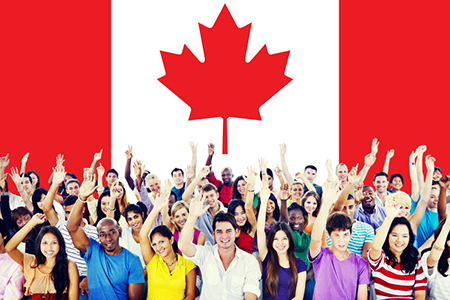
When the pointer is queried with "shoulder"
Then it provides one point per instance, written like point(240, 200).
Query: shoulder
point(301, 266)
point(72, 266)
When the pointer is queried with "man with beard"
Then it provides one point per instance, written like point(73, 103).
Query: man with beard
point(380, 182)
point(368, 211)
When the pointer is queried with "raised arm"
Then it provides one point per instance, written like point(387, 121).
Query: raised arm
point(160, 201)
point(264, 194)
point(196, 209)
point(369, 160)
point(284, 167)
point(439, 244)
point(329, 167)
point(210, 156)
point(204, 171)
point(420, 151)
point(353, 179)
point(329, 196)
point(193, 159)
point(23, 167)
point(415, 192)
point(284, 197)
point(4, 162)
point(389, 155)
point(444, 183)
point(250, 189)
point(79, 237)
point(114, 194)
point(18, 182)
point(97, 157)
point(263, 168)
point(129, 156)
point(425, 195)
point(100, 173)
point(58, 177)
point(12, 245)
point(377, 245)
point(138, 169)
point(300, 176)
point(279, 174)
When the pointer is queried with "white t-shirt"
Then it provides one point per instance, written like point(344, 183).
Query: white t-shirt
point(438, 286)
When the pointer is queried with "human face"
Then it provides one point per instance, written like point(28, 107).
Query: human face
point(368, 202)
point(108, 235)
point(380, 184)
point(270, 207)
point(280, 242)
point(396, 184)
point(134, 220)
point(227, 177)
point(68, 210)
point(162, 245)
point(340, 239)
point(211, 197)
point(119, 190)
point(23, 220)
point(172, 200)
point(104, 204)
point(111, 178)
point(310, 205)
point(201, 184)
point(154, 185)
point(180, 217)
point(241, 186)
point(40, 204)
point(398, 239)
point(49, 245)
point(310, 174)
point(434, 197)
point(296, 220)
point(349, 208)
point(26, 184)
point(270, 181)
point(34, 179)
point(73, 189)
point(240, 216)
point(437, 175)
point(225, 235)
point(297, 190)
point(342, 172)
point(178, 177)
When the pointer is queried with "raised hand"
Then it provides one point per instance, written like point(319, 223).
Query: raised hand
point(390, 154)
point(129, 152)
point(358, 193)
point(16, 177)
point(204, 171)
point(264, 194)
point(4, 161)
point(98, 156)
point(162, 199)
point(262, 165)
point(194, 147)
point(115, 190)
point(58, 174)
point(37, 219)
point(369, 160)
point(3, 181)
point(100, 171)
point(283, 149)
point(88, 186)
point(197, 206)
point(444, 182)
point(251, 176)
point(138, 168)
point(421, 149)
point(189, 172)
point(429, 162)
point(374, 147)
point(60, 160)
point(330, 191)
point(25, 158)
point(392, 210)
point(278, 171)
point(211, 149)
point(329, 166)
point(353, 177)
point(412, 157)
point(284, 192)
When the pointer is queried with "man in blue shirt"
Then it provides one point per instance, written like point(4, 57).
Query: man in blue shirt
point(368, 211)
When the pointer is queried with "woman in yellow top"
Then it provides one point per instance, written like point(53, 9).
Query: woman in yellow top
point(170, 275)
point(49, 275)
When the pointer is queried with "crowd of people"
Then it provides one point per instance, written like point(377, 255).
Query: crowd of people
point(195, 236)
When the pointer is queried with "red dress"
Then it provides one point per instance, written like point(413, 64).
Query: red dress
point(245, 242)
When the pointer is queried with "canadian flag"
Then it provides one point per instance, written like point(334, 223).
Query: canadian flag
point(80, 77)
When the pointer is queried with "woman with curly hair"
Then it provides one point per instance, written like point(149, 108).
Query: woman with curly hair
point(49, 275)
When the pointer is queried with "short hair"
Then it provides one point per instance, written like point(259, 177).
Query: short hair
point(150, 177)
point(311, 167)
point(71, 175)
point(338, 221)
point(4, 231)
point(176, 170)
point(209, 187)
point(112, 171)
point(39, 180)
point(72, 181)
point(224, 217)
point(437, 169)
point(70, 200)
point(227, 168)
point(395, 176)
point(17, 213)
point(340, 164)
point(269, 172)
point(297, 207)
point(381, 174)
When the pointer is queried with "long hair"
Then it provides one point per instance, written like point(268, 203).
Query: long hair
point(176, 207)
point(37, 176)
point(408, 258)
point(36, 197)
point(276, 211)
point(123, 201)
point(247, 227)
point(316, 197)
point(273, 265)
point(60, 272)
point(236, 194)
point(101, 214)
point(165, 232)
point(443, 260)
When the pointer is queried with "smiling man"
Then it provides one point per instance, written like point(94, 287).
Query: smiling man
point(227, 271)
point(113, 272)
point(368, 211)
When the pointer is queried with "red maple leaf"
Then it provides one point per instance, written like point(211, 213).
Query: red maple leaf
point(225, 85)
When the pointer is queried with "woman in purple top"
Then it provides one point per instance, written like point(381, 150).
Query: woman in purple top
point(284, 275)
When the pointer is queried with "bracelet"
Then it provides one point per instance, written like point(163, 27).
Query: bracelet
point(412, 164)
point(20, 191)
point(438, 248)
point(110, 210)
point(251, 191)
point(264, 173)
point(100, 190)
point(82, 201)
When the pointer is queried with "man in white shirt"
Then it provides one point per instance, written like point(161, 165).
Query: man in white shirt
point(227, 271)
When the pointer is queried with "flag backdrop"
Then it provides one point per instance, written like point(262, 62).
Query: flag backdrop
point(77, 78)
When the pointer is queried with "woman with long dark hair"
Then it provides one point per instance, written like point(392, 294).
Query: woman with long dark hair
point(239, 187)
point(48, 274)
point(394, 260)
point(284, 275)
point(170, 275)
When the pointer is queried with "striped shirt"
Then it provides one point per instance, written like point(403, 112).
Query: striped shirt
point(361, 233)
point(73, 253)
point(392, 283)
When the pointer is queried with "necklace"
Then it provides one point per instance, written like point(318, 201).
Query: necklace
point(171, 264)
